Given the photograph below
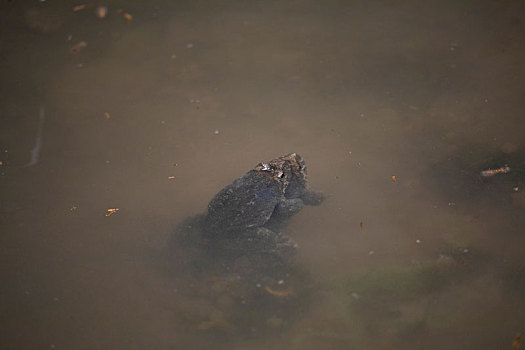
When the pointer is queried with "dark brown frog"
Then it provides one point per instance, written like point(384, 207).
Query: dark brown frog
point(264, 197)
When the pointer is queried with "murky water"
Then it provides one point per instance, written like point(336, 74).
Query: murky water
point(161, 110)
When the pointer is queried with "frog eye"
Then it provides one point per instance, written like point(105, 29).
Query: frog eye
point(280, 174)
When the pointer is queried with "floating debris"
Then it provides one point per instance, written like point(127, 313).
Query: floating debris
point(279, 293)
point(82, 7)
point(216, 132)
point(393, 178)
point(361, 225)
point(101, 12)
point(106, 115)
point(111, 211)
point(34, 156)
point(171, 177)
point(73, 208)
point(77, 47)
point(491, 172)
point(127, 16)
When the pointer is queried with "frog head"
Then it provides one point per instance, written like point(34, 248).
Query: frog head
point(289, 171)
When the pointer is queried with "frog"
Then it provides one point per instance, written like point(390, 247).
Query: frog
point(266, 196)
point(247, 217)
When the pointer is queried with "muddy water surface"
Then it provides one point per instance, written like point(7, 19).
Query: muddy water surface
point(431, 93)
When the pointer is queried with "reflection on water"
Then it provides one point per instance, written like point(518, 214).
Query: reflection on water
point(157, 112)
